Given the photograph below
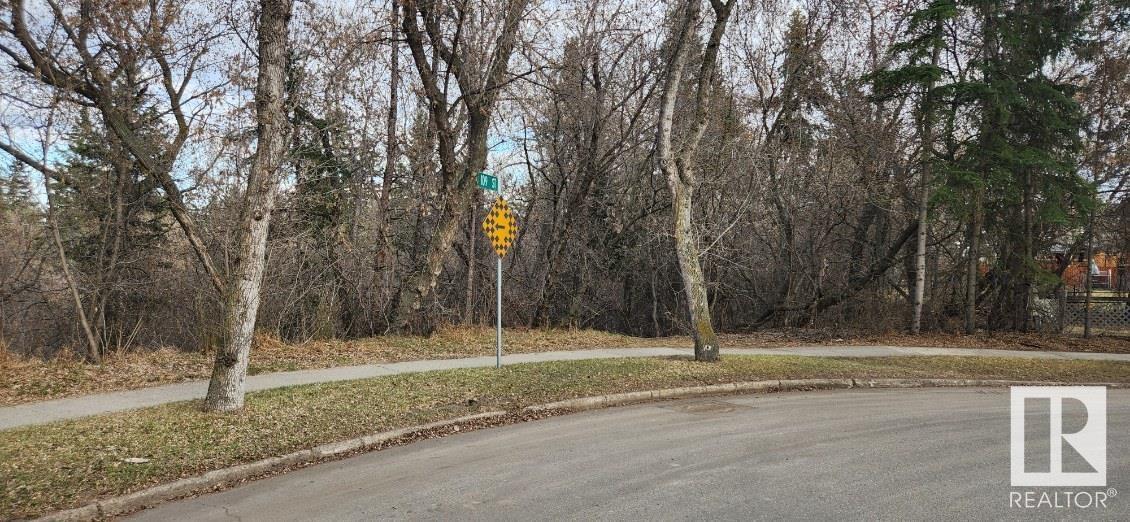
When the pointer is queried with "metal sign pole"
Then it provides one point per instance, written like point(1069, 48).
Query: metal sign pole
point(500, 228)
point(498, 316)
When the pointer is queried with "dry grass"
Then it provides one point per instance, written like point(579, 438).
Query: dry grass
point(993, 340)
point(448, 343)
point(55, 466)
point(32, 379)
point(27, 380)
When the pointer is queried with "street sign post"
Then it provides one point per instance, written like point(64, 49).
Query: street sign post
point(501, 229)
point(487, 182)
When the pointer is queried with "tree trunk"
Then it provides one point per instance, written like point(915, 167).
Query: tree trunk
point(457, 195)
point(384, 245)
point(226, 390)
point(971, 265)
point(678, 166)
point(786, 240)
point(927, 122)
point(479, 100)
point(469, 298)
point(694, 283)
point(1027, 276)
point(421, 284)
point(920, 255)
point(1087, 271)
point(654, 308)
point(93, 347)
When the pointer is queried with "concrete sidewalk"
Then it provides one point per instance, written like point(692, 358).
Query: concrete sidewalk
point(87, 405)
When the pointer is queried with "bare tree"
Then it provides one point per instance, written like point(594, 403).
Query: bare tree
point(678, 165)
point(595, 115)
point(480, 72)
point(384, 251)
point(226, 389)
point(794, 194)
point(90, 76)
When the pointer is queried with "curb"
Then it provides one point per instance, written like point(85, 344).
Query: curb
point(986, 383)
point(184, 487)
point(619, 399)
point(151, 496)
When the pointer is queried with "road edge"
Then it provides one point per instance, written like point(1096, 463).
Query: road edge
point(215, 479)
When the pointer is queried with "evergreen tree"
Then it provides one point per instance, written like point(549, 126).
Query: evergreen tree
point(15, 188)
point(1027, 153)
point(1017, 179)
point(107, 191)
point(323, 207)
point(802, 89)
point(111, 219)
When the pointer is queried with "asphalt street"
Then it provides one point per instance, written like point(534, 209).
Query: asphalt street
point(849, 454)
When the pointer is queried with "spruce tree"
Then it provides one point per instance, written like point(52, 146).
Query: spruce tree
point(110, 219)
point(1016, 179)
point(15, 188)
point(1028, 151)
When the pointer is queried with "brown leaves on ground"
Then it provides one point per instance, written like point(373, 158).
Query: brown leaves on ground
point(30, 379)
point(24, 379)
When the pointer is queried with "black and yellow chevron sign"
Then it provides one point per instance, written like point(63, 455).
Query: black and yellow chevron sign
point(500, 226)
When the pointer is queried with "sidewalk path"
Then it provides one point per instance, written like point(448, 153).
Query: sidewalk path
point(87, 405)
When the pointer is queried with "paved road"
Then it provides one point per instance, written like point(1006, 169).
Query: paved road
point(856, 454)
point(76, 407)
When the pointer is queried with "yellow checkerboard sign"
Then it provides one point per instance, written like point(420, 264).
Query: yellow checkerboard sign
point(500, 227)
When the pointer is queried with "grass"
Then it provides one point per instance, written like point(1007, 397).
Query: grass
point(60, 465)
point(27, 379)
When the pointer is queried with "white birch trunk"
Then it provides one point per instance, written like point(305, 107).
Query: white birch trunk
point(927, 122)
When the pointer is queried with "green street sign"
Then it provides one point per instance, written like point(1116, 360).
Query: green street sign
point(487, 182)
